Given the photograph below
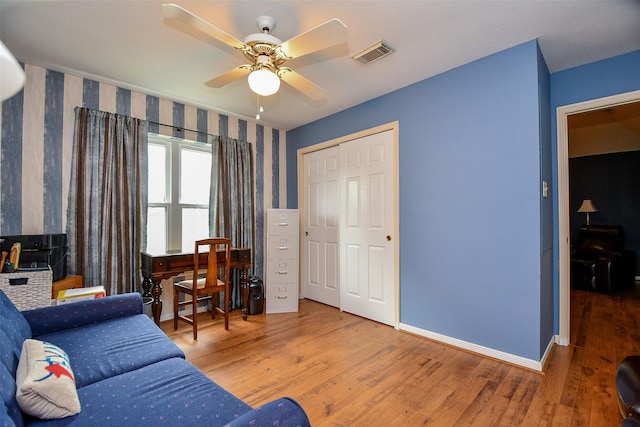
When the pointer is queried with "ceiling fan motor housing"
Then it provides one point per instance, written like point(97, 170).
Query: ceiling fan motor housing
point(263, 49)
point(263, 44)
point(253, 39)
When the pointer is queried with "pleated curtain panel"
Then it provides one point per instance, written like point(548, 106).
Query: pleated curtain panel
point(231, 197)
point(107, 210)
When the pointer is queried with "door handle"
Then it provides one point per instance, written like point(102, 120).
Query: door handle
point(388, 238)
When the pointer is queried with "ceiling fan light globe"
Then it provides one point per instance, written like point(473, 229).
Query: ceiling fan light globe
point(264, 82)
point(11, 74)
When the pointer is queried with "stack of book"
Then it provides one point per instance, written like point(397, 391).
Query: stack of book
point(66, 296)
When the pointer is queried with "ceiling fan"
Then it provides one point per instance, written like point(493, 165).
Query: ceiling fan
point(266, 53)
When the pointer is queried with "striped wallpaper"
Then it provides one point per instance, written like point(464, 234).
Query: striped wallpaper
point(36, 132)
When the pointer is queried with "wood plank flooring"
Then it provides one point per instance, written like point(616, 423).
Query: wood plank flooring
point(349, 371)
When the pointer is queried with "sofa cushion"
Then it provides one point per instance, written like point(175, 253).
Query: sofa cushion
point(14, 325)
point(284, 412)
point(15, 330)
point(171, 392)
point(47, 320)
point(102, 350)
point(10, 413)
point(9, 352)
point(46, 387)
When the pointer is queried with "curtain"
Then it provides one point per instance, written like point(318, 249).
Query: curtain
point(107, 213)
point(231, 197)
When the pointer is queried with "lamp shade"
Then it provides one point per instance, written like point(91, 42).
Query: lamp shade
point(11, 74)
point(264, 82)
point(587, 206)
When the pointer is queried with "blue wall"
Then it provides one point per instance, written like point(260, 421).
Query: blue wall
point(546, 208)
point(470, 207)
point(613, 76)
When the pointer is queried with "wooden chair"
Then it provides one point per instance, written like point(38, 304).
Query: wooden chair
point(204, 288)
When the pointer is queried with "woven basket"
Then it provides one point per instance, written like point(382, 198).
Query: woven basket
point(29, 289)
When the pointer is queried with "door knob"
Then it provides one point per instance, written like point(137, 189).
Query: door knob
point(388, 238)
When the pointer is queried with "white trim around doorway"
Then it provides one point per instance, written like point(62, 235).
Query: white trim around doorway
point(563, 242)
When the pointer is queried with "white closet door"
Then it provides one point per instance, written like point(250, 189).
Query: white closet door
point(320, 273)
point(366, 226)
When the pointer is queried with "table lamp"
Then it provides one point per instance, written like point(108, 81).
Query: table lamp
point(587, 207)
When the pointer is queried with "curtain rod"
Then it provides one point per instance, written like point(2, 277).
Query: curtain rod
point(181, 129)
point(177, 128)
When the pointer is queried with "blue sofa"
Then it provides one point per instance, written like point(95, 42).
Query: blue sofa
point(127, 371)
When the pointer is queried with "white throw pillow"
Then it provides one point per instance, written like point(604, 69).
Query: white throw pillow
point(46, 386)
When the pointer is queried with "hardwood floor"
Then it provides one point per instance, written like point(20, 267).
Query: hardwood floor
point(349, 371)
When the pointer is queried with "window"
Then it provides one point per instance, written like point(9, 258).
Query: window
point(179, 182)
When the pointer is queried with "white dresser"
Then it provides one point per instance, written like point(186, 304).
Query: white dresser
point(283, 256)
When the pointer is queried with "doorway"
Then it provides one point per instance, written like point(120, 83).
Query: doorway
point(349, 226)
point(562, 114)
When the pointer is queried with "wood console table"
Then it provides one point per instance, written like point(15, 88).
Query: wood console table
point(155, 268)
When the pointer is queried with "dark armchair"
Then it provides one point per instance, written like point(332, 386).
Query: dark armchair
point(599, 261)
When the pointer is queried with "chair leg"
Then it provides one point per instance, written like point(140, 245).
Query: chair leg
point(176, 298)
point(194, 302)
point(226, 310)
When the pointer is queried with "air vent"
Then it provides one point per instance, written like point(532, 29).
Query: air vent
point(373, 53)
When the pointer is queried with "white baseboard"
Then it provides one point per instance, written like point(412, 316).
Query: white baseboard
point(563, 342)
point(548, 352)
point(481, 350)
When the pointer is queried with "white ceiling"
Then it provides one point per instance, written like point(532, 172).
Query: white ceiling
point(128, 43)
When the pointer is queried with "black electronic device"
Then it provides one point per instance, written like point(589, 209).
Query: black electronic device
point(256, 295)
point(40, 250)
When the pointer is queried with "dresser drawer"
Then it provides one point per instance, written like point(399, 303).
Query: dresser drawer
point(283, 222)
point(282, 298)
point(282, 271)
point(283, 247)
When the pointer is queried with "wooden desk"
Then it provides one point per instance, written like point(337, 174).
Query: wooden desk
point(155, 268)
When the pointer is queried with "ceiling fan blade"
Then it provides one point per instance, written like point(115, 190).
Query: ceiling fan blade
point(304, 85)
point(321, 37)
point(229, 76)
point(176, 12)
